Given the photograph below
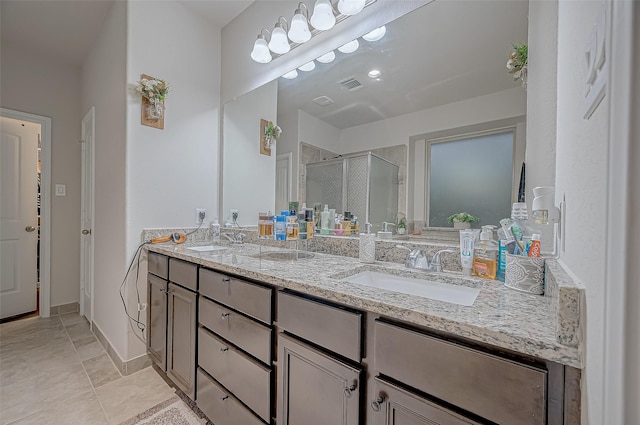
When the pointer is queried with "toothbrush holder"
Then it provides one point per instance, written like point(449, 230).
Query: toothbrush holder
point(525, 274)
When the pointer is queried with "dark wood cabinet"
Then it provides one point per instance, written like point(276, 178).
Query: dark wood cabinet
point(181, 338)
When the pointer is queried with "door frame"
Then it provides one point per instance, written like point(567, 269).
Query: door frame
point(289, 157)
point(90, 168)
point(45, 203)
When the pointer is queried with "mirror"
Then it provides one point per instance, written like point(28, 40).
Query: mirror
point(442, 73)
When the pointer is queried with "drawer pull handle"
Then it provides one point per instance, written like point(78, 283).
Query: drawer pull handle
point(224, 398)
point(224, 315)
point(349, 390)
point(224, 349)
point(376, 404)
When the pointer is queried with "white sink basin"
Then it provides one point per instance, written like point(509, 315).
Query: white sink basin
point(455, 294)
point(207, 248)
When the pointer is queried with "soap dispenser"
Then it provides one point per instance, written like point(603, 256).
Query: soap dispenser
point(385, 233)
point(367, 251)
point(486, 254)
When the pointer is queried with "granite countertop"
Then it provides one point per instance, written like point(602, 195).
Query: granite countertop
point(499, 317)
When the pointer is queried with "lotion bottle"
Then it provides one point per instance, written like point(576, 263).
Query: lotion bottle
point(324, 220)
point(486, 255)
point(215, 231)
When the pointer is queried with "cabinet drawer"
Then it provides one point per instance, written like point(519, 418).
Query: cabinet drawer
point(220, 406)
point(393, 405)
point(494, 388)
point(247, 379)
point(183, 273)
point(158, 264)
point(330, 327)
point(253, 300)
point(247, 334)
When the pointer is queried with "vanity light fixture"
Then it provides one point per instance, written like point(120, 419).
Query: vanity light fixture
point(309, 66)
point(290, 75)
point(323, 18)
point(279, 42)
point(260, 52)
point(376, 34)
point(327, 57)
point(350, 7)
point(299, 30)
point(374, 73)
point(350, 47)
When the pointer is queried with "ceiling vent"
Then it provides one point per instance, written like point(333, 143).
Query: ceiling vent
point(323, 100)
point(350, 84)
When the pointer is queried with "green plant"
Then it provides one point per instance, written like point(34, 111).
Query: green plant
point(273, 131)
point(402, 223)
point(463, 217)
point(518, 60)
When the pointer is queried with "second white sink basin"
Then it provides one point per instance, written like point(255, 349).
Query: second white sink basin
point(207, 248)
point(455, 294)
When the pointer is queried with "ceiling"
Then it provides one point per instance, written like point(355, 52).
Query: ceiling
point(445, 51)
point(67, 28)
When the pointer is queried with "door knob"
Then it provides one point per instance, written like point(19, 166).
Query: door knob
point(86, 232)
point(29, 228)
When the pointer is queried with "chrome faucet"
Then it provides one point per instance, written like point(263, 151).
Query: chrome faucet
point(237, 238)
point(417, 259)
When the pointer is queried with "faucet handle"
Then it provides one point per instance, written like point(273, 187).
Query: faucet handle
point(436, 264)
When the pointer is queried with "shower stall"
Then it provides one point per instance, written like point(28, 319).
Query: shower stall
point(364, 184)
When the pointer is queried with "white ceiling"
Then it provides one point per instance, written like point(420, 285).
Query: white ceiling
point(446, 51)
point(67, 28)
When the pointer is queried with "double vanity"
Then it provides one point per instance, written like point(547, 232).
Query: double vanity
point(258, 335)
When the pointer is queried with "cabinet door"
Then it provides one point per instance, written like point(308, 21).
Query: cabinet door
point(314, 388)
point(181, 343)
point(396, 406)
point(157, 321)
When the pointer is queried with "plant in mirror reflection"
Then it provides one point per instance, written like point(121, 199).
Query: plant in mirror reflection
point(271, 132)
point(518, 62)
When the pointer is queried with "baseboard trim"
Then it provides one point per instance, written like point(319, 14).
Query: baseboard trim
point(125, 367)
point(64, 309)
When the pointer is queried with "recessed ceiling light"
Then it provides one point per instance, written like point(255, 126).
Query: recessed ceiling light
point(290, 75)
point(309, 66)
point(350, 47)
point(376, 34)
point(374, 73)
point(327, 57)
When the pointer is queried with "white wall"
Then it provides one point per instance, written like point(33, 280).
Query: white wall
point(171, 172)
point(104, 86)
point(581, 170)
point(45, 85)
point(249, 177)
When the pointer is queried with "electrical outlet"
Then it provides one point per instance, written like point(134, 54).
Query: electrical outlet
point(201, 213)
point(142, 306)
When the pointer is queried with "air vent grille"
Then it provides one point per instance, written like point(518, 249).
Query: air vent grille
point(350, 84)
point(323, 100)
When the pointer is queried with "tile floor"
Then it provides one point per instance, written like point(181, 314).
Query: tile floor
point(54, 371)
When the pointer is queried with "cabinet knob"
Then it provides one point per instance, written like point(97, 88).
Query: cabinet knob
point(349, 390)
point(224, 349)
point(376, 404)
point(224, 315)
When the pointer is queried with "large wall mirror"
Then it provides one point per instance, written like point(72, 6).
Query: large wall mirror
point(434, 87)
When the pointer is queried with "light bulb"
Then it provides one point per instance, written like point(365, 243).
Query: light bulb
point(309, 66)
point(350, 7)
point(279, 43)
point(260, 52)
point(322, 18)
point(299, 31)
point(350, 47)
point(290, 75)
point(374, 73)
point(327, 57)
point(376, 34)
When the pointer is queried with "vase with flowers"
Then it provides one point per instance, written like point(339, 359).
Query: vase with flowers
point(155, 91)
point(518, 63)
point(271, 133)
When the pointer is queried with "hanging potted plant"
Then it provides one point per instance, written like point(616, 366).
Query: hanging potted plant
point(518, 63)
point(272, 132)
point(155, 91)
point(462, 220)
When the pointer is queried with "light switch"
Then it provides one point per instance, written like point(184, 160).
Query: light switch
point(61, 190)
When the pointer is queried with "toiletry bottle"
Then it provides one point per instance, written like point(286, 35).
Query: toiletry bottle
point(324, 221)
point(292, 228)
point(367, 252)
point(309, 222)
point(534, 249)
point(215, 230)
point(338, 225)
point(355, 225)
point(302, 226)
point(346, 224)
point(281, 226)
point(332, 221)
point(467, 248)
point(486, 254)
point(502, 254)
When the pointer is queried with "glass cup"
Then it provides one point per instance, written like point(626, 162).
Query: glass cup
point(265, 225)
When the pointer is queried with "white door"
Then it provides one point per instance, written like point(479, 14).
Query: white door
point(283, 181)
point(18, 216)
point(86, 217)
